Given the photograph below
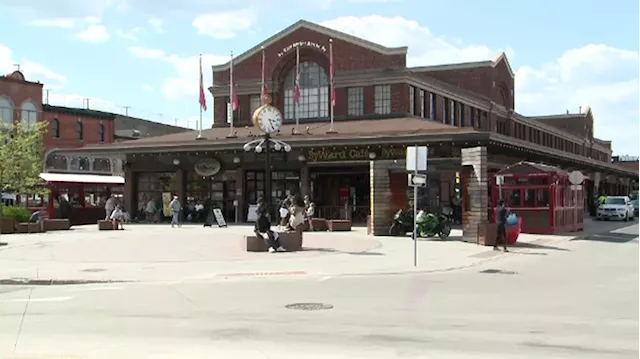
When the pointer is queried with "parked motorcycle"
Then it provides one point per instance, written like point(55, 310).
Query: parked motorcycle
point(428, 224)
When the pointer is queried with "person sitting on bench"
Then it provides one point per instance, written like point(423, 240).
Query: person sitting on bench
point(117, 218)
point(262, 229)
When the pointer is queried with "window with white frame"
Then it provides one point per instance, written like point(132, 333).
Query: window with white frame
point(255, 101)
point(432, 106)
point(29, 113)
point(453, 113)
point(422, 103)
point(314, 92)
point(6, 110)
point(355, 101)
point(382, 99)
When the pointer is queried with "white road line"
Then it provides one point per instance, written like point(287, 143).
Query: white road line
point(324, 278)
point(91, 289)
point(50, 299)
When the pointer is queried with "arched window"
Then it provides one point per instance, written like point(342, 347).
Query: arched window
point(79, 131)
point(101, 133)
point(6, 110)
point(55, 128)
point(314, 92)
point(29, 114)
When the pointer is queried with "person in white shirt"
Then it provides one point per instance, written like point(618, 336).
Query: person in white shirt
point(110, 206)
point(117, 218)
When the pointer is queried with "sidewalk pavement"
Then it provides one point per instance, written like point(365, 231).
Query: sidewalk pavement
point(158, 253)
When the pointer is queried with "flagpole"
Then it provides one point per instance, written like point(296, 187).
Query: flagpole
point(230, 109)
point(262, 88)
point(200, 125)
point(332, 89)
point(213, 99)
point(297, 83)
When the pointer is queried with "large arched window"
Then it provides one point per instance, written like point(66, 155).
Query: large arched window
point(6, 110)
point(101, 133)
point(314, 92)
point(55, 128)
point(29, 114)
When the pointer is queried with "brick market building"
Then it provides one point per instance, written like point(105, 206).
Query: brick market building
point(464, 113)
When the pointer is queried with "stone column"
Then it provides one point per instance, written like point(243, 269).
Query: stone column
point(474, 159)
point(240, 194)
point(130, 198)
point(304, 181)
point(380, 193)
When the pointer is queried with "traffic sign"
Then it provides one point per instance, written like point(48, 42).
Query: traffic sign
point(500, 180)
point(417, 180)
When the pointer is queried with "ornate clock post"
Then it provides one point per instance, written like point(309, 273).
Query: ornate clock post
point(268, 120)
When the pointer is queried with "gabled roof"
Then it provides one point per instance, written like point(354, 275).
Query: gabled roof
point(468, 65)
point(331, 33)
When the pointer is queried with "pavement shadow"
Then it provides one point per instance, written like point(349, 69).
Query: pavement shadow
point(531, 245)
point(332, 250)
point(3, 243)
point(611, 237)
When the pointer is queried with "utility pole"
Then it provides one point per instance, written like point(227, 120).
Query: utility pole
point(46, 99)
point(126, 110)
point(17, 66)
point(85, 103)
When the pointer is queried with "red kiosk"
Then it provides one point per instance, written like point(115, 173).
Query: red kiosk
point(542, 196)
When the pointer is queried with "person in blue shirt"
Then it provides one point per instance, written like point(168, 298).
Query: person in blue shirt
point(501, 220)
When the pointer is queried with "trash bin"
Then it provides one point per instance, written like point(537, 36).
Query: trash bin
point(513, 232)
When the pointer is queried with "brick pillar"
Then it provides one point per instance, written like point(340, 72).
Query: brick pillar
point(240, 195)
point(130, 198)
point(380, 195)
point(304, 181)
point(474, 159)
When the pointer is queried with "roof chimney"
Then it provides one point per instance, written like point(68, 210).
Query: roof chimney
point(567, 111)
point(580, 109)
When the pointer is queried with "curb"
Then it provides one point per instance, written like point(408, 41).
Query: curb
point(48, 282)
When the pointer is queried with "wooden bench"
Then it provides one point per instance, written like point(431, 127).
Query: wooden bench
point(26, 227)
point(7, 225)
point(291, 241)
point(104, 225)
point(319, 224)
point(60, 224)
point(339, 225)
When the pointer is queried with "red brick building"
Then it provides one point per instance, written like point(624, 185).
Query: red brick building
point(464, 113)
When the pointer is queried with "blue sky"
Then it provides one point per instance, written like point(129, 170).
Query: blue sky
point(137, 53)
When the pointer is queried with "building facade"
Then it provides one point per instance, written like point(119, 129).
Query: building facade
point(464, 113)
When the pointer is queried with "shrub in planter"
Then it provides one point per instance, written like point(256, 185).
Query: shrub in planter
point(18, 213)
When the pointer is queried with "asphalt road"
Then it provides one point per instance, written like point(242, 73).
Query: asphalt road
point(578, 299)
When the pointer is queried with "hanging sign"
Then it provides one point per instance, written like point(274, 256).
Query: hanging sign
point(310, 44)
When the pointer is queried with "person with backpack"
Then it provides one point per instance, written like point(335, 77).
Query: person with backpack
point(501, 220)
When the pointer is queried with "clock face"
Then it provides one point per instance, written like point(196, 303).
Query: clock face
point(269, 120)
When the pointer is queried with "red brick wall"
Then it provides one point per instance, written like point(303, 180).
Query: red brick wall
point(20, 91)
point(347, 57)
point(68, 123)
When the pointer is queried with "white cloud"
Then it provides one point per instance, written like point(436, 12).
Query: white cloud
point(132, 34)
point(425, 48)
point(93, 34)
point(157, 24)
point(600, 76)
point(32, 71)
point(184, 82)
point(147, 88)
point(225, 25)
point(65, 23)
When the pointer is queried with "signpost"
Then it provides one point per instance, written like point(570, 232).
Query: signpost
point(416, 161)
point(500, 183)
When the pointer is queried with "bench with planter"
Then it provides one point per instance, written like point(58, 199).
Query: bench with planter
point(59, 224)
point(319, 224)
point(291, 241)
point(7, 225)
point(104, 225)
point(26, 227)
point(339, 225)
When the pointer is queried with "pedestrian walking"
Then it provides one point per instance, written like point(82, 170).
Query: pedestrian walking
point(175, 212)
point(501, 220)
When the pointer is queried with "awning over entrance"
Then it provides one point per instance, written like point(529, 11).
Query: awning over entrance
point(78, 178)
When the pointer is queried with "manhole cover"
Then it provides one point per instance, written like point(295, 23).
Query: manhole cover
point(309, 306)
point(496, 271)
point(94, 270)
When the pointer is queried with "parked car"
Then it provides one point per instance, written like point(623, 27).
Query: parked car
point(616, 207)
point(634, 203)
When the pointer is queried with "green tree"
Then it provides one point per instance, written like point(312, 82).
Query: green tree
point(21, 154)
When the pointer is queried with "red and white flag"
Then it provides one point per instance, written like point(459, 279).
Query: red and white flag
point(296, 90)
point(232, 90)
point(332, 74)
point(264, 83)
point(203, 99)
